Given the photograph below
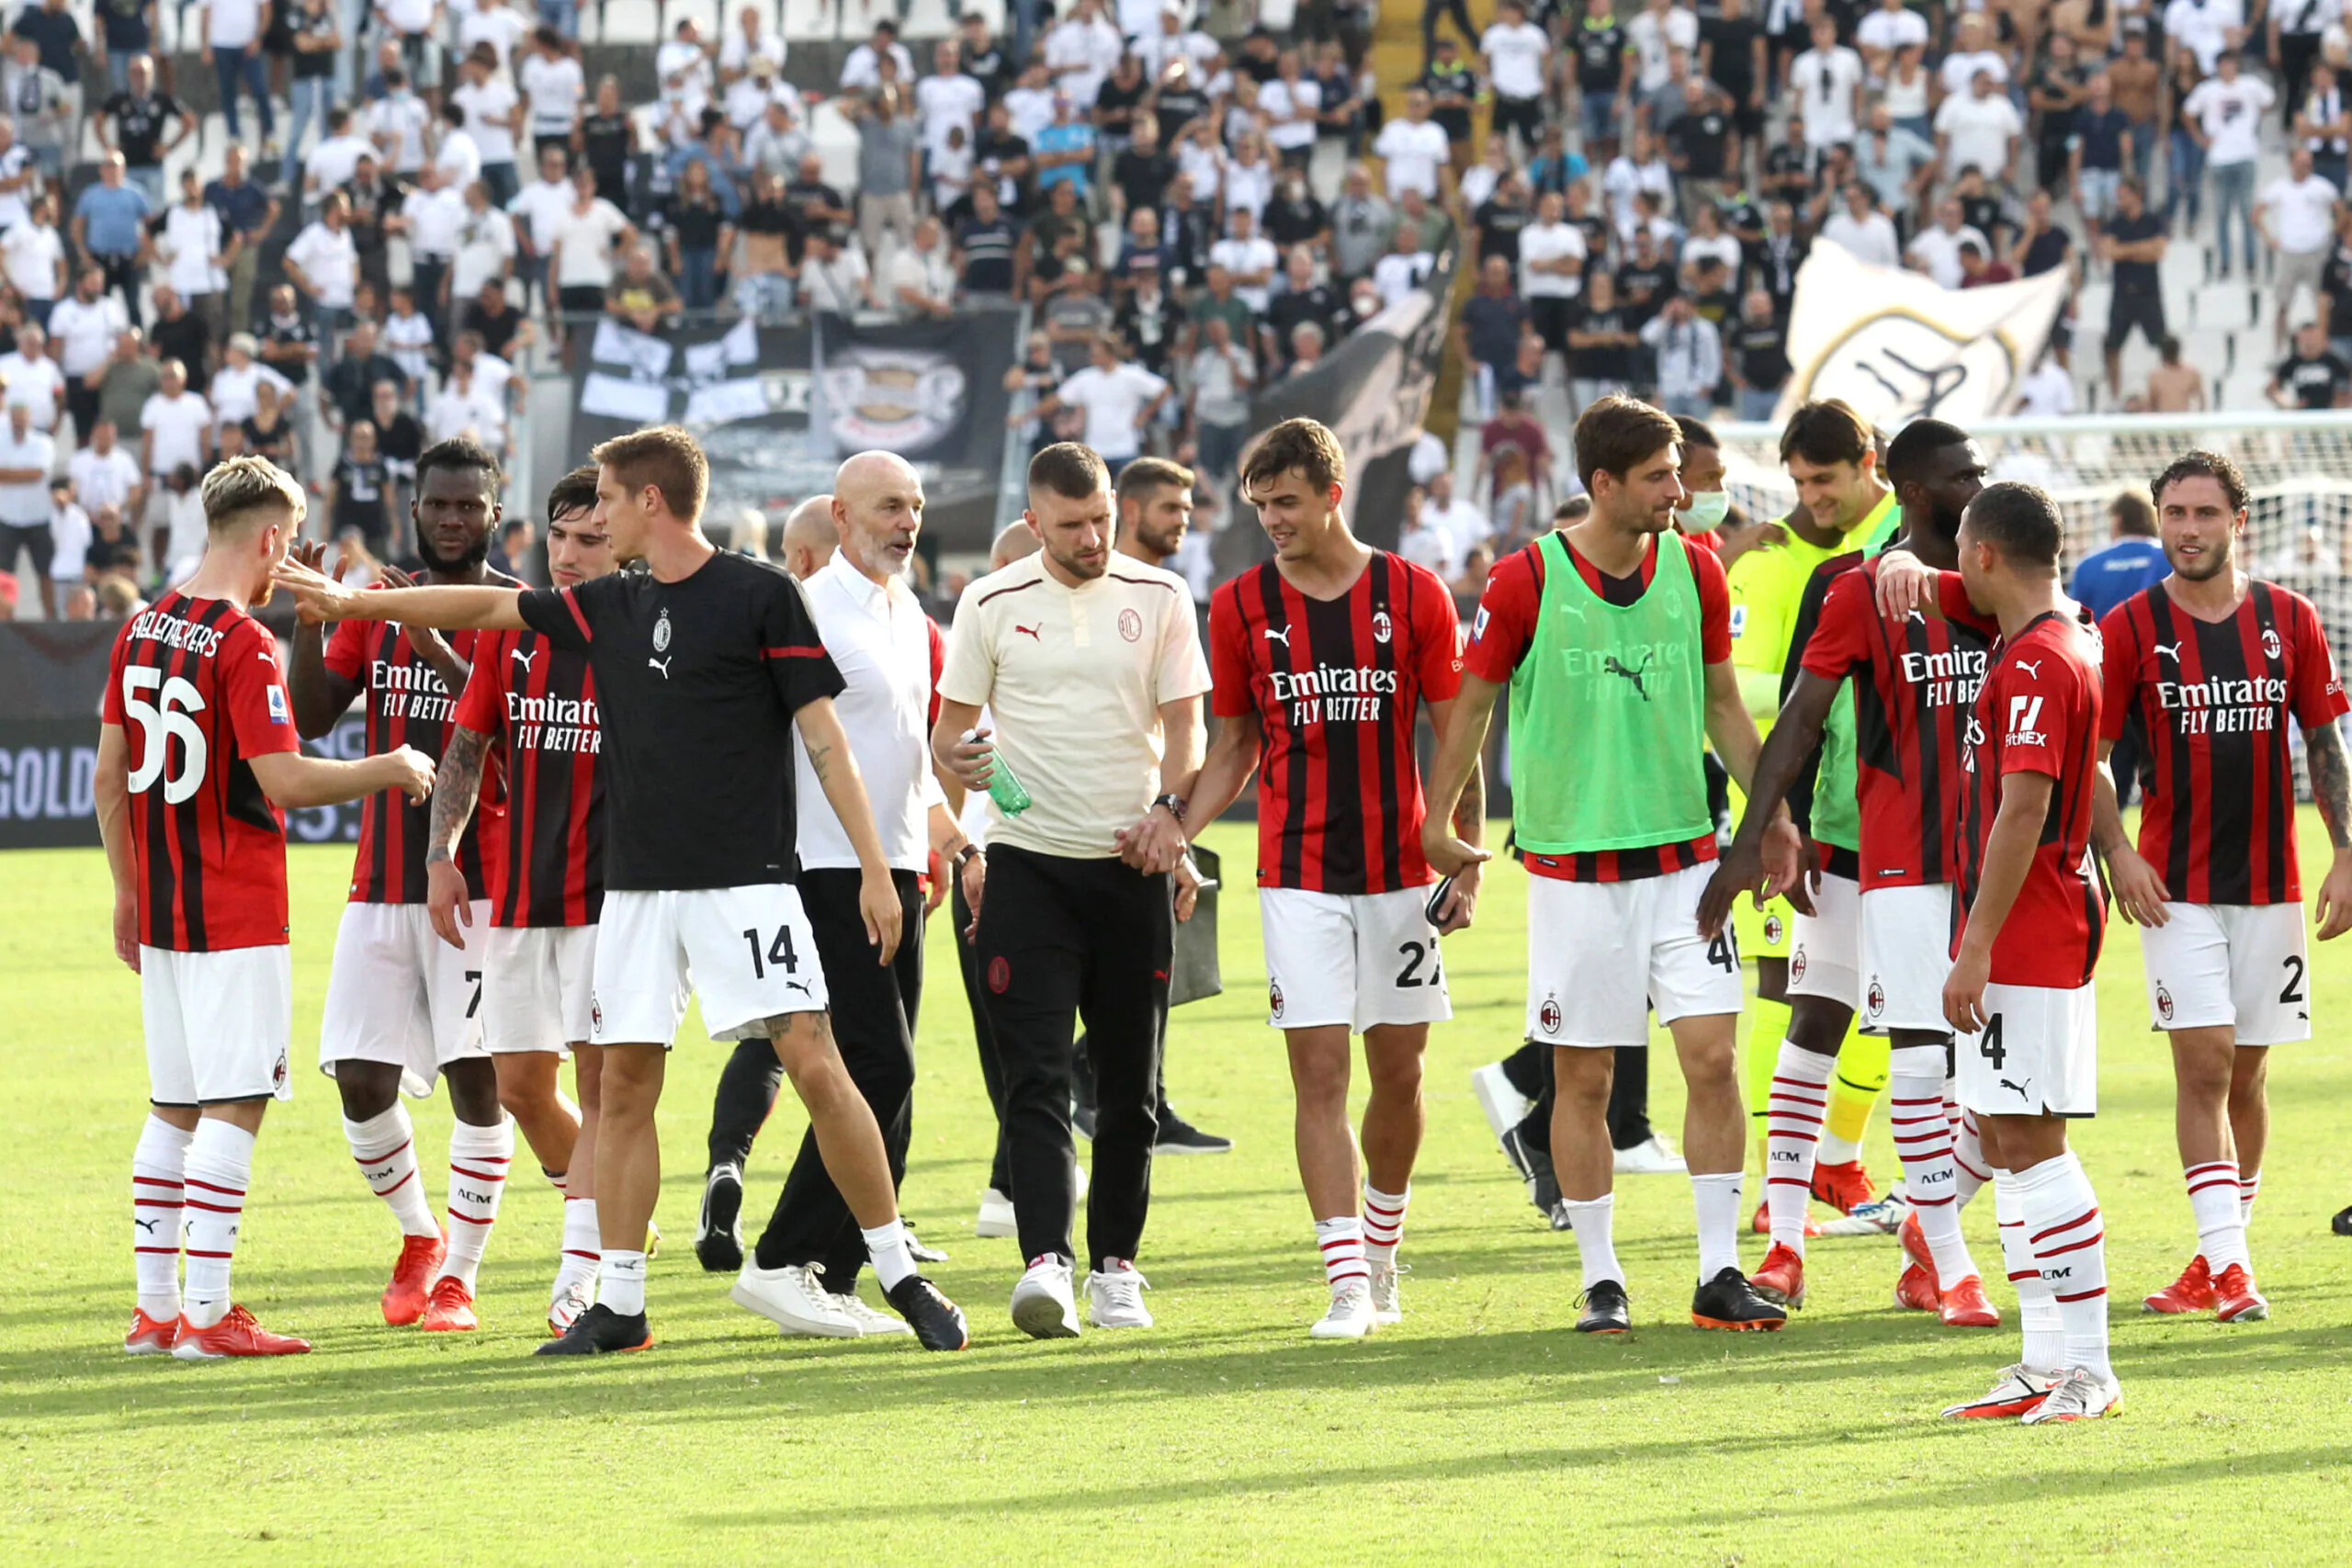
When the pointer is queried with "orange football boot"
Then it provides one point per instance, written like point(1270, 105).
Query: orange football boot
point(412, 1273)
point(2193, 1292)
point(1781, 1279)
point(235, 1335)
point(451, 1308)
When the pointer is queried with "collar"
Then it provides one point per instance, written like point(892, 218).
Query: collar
point(863, 590)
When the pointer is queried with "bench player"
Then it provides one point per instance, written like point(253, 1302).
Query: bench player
point(402, 1006)
point(197, 761)
point(1321, 659)
point(533, 707)
point(2215, 662)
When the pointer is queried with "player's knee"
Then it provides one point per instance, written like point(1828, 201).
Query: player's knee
point(368, 1089)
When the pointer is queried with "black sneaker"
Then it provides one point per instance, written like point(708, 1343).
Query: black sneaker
point(938, 1323)
point(599, 1331)
point(1533, 1162)
point(718, 1234)
point(2342, 1223)
point(920, 1253)
point(1606, 1310)
point(1178, 1136)
point(1081, 1121)
point(1729, 1301)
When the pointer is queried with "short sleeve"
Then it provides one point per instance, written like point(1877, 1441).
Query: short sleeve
point(1951, 598)
point(482, 703)
point(347, 649)
point(562, 615)
point(2120, 669)
point(1840, 639)
point(1231, 687)
point(2319, 693)
point(968, 674)
point(111, 702)
point(1715, 606)
point(938, 648)
point(1504, 629)
point(1181, 671)
point(1437, 639)
point(252, 688)
point(803, 672)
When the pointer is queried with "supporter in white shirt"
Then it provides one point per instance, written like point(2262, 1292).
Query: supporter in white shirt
point(1250, 257)
point(1891, 28)
point(748, 98)
point(328, 257)
point(1118, 397)
point(2297, 215)
point(1413, 149)
point(25, 504)
point(1290, 104)
point(177, 425)
point(1515, 55)
point(553, 85)
point(336, 157)
point(948, 99)
point(194, 243)
point(432, 214)
point(1422, 542)
point(396, 123)
point(230, 24)
point(2048, 393)
point(490, 102)
point(407, 340)
point(1172, 40)
point(83, 325)
point(1863, 230)
point(33, 254)
point(2228, 109)
point(1399, 273)
point(485, 245)
point(104, 473)
point(473, 396)
point(863, 69)
point(234, 389)
point(32, 379)
point(2204, 28)
point(1829, 82)
point(1544, 244)
point(1464, 524)
point(686, 54)
point(920, 280)
point(1030, 104)
point(1629, 173)
point(1978, 129)
point(495, 23)
point(540, 206)
point(584, 236)
point(1081, 51)
point(69, 533)
point(747, 43)
point(1971, 54)
point(1935, 250)
point(458, 157)
point(1653, 35)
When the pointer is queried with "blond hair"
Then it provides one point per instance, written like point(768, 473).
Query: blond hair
point(239, 487)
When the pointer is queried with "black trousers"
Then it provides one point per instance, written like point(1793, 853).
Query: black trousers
point(424, 286)
point(1431, 10)
point(874, 1011)
point(1528, 1068)
point(991, 1063)
point(1060, 941)
point(123, 275)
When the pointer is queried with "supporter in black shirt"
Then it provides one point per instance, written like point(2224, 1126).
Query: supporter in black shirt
point(1260, 59)
point(139, 119)
point(1600, 43)
point(1600, 338)
point(1294, 217)
point(1188, 230)
point(1645, 280)
point(350, 384)
point(2314, 375)
point(1180, 101)
point(1142, 170)
point(997, 153)
point(1500, 221)
point(1150, 322)
point(1302, 299)
point(361, 483)
point(178, 333)
point(1117, 102)
point(1787, 168)
point(1452, 86)
point(985, 244)
point(1758, 351)
point(2055, 90)
point(2134, 244)
point(606, 137)
point(1698, 144)
point(495, 318)
point(1729, 41)
point(984, 58)
point(813, 204)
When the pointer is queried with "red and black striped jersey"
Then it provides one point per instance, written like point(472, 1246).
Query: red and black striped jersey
point(2213, 698)
point(407, 705)
point(2038, 712)
point(195, 689)
point(1335, 687)
point(1914, 682)
point(537, 705)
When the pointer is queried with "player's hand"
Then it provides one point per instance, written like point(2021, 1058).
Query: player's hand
point(1188, 886)
point(2334, 910)
point(424, 639)
point(126, 929)
point(1904, 585)
point(878, 902)
point(2140, 894)
point(317, 596)
point(1964, 990)
point(1447, 853)
point(412, 772)
point(312, 555)
point(1460, 901)
point(446, 902)
point(973, 759)
point(1789, 870)
point(974, 876)
point(934, 885)
point(1155, 845)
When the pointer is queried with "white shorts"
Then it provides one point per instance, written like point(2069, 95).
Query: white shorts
point(2214, 965)
point(537, 986)
point(216, 1024)
point(2039, 1057)
point(747, 951)
point(1825, 954)
point(1356, 959)
point(399, 994)
point(1601, 954)
point(1906, 958)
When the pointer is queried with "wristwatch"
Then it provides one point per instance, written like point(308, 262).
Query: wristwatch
point(1175, 803)
point(969, 852)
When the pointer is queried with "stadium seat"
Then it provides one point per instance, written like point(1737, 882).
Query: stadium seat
point(631, 22)
point(927, 19)
point(809, 20)
point(2243, 390)
point(2226, 304)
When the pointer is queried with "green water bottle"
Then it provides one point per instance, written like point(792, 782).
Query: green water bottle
point(1005, 788)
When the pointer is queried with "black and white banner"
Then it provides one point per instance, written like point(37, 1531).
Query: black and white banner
point(778, 408)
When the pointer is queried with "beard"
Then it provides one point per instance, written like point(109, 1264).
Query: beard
point(1944, 520)
point(472, 555)
point(1163, 543)
point(1077, 567)
point(2215, 563)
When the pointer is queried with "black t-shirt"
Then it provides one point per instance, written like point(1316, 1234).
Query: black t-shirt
point(1700, 138)
point(124, 23)
point(696, 223)
point(1612, 362)
point(1142, 177)
point(605, 142)
point(987, 68)
point(1982, 213)
point(1150, 329)
point(1643, 289)
point(403, 440)
point(1289, 222)
point(1734, 38)
point(1118, 105)
point(802, 197)
point(1318, 304)
point(2057, 125)
point(294, 331)
point(764, 217)
point(2047, 251)
point(2336, 282)
point(315, 62)
point(1600, 58)
point(1498, 230)
point(699, 681)
point(988, 255)
point(2135, 276)
point(1460, 82)
point(274, 441)
point(184, 338)
point(139, 124)
point(497, 331)
point(1762, 348)
point(1177, 107)
point(359, 495)
point(988, 147)
point(2314, 383)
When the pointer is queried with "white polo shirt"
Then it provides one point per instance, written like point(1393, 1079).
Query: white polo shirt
point(882, 643)
point(1074, 678)
point(1410, 154)
point(104, 479)
point(27, 505)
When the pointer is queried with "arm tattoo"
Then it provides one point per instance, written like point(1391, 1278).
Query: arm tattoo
point(2331, 782)
point(1470, 811)
point(817, 755)
point(455, 785)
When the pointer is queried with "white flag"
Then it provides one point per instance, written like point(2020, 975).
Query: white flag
point(1898, 346)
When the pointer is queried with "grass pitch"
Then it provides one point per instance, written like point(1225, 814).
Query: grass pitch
point(1479, 1427)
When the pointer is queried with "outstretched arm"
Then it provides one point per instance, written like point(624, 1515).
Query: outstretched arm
point(450, 609)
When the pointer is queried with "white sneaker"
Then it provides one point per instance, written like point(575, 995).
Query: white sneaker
point(1504, 1106)
point(1652, 1157)
point(1879, 1216)
point(996, 1217)
point(1114, 1298)
point(794, 1298)
point(1042, 1306)
point(1385, 1307)
point(1351, 1316)
point(869, 1321)
point(2016, 1391)
point(2081, 1395)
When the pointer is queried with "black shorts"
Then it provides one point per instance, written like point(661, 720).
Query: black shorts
point(27, 536)
point(1525, 113)
point(2125, 312)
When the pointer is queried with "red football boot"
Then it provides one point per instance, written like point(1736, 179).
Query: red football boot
point(1917, 1290)
point(2193, 1292)
point(412, 1273)
point(451, 1308)
point(235, 1335)
point(149, 1336)
point(1781, 1279)
point(1964, 1306)
point(1844, 1188)
point(2234, 1298)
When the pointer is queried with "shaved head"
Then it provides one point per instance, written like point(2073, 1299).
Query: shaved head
point(810, 537)
point(1016, 543)
point(878, 512)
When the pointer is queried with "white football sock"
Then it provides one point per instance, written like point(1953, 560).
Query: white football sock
point(2249, 1188)
point(1341, 1244)
point(385, 1148)
point(2045, 1337)
point(1971, 1169)
point(556, 1179)
point(1836, 1150)
point(886, 1245)
point(2069, 1238)
point(2220, 1225)
point(479, 1158)
point(581, 1245)
point(620, 1281)
point(1799, 1099)
point(1592, 1221)
point(1923, 1143)
point(1716, 1198)
point(220, 1167)
point(158, 1174)
point(1384, 1222)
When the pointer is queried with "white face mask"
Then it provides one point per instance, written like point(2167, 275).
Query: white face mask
point(1705, 513)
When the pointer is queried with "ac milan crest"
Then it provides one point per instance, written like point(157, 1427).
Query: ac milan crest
point(1797, 963)
point(1548, 1016)
point(1876, 997)
point(2164, 1003)
point(1275, 998)
point(1130, 626)
point(1773, 930)
point(999, 973)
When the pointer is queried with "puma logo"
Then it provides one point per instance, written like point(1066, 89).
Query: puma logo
point(2016, 1089)
point(2169, 647)
point(1282, 636)
point(147, 1225)
point(1030, 632)
point(1613, 666)
point(523, 658)
point(797, 986)
point(2033, 669)
point(660, 664)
